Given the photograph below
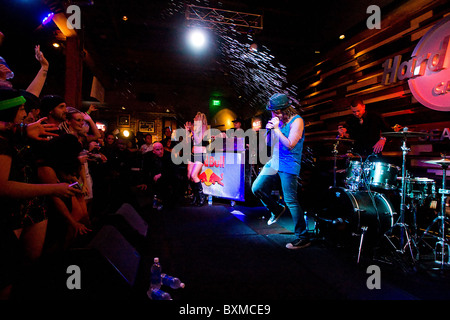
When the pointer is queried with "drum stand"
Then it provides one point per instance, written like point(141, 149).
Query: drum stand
point(401, 221)
point(335, 152)
point(441, 248)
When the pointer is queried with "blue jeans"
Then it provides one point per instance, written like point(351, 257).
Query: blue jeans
point(262, 188)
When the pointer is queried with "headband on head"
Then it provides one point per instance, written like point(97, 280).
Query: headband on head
point(11, 103)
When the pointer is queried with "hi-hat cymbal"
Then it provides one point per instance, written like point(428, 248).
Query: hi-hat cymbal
point(402, 134)
point(439, 162)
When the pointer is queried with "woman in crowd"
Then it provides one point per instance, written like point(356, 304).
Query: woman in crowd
point(23, 218)
point(75, 121)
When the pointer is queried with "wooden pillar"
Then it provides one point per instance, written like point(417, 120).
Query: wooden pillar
point(74, 72)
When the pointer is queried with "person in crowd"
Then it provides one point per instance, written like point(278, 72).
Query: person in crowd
point(35, 87)
point(120, 181)
point(106, 175)
point(60, 161)
point(287, 134)
point(76, 121)
point(5, 72)
point(32, 106)
point(237, 123)
point(54, 108)
point(109, 146)
point(167, 142)
point(23, 218)
point(33, 91)
point(148, 145)
point(162, 176)
point(97, 163)
point(69, 218)
point(31, 94)
point(365, 128)
point(197, 132)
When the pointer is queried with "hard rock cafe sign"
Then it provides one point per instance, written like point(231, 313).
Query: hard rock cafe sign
point(428, 70)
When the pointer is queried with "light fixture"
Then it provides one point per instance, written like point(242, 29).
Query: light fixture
point(342, 36)
point(56, 45)
point(197, 38)
point(48, 18)
point(126, 133)
point(124, 18)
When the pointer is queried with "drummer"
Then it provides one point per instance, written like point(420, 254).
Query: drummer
point(365, 128)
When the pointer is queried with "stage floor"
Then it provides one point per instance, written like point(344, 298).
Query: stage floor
point(229, 253)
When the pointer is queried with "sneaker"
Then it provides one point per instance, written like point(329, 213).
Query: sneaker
point(274, 218)
point(298, 244)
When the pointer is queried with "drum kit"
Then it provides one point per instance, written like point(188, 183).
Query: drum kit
point(365, 203)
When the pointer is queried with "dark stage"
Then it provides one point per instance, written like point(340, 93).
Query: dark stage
point(227, 253)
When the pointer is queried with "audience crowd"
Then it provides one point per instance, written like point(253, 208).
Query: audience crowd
point(59, 174)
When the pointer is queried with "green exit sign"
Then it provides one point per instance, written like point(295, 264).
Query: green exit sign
point(216, 102)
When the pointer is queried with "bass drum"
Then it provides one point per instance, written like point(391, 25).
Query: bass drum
point(351, 210)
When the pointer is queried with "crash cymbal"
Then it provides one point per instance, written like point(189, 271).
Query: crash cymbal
point(439, 162)
point(402, 134)
point(347, 156)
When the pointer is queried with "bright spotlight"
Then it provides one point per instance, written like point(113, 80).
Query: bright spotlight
point(197, 38)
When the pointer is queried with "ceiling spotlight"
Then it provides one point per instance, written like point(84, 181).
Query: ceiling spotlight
point(124, 18)
point(342, 36)
point(197, 38)
point(55, 44)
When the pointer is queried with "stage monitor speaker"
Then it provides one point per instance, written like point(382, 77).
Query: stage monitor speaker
point(133, 218)
point(118, 251)
point(105, 269)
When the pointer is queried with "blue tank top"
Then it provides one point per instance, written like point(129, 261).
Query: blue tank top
point(285, 160)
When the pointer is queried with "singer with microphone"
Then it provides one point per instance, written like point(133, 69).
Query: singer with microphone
point(286, 132)
point(365, 128)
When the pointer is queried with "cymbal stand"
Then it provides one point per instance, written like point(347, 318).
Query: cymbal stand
point(401, 221)
point(442, 219)
point(335, 152)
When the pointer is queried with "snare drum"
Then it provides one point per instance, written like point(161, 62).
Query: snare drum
point(420, 188)
point(381, 175)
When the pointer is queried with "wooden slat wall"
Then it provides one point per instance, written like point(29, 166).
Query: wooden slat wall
point(354, 69)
